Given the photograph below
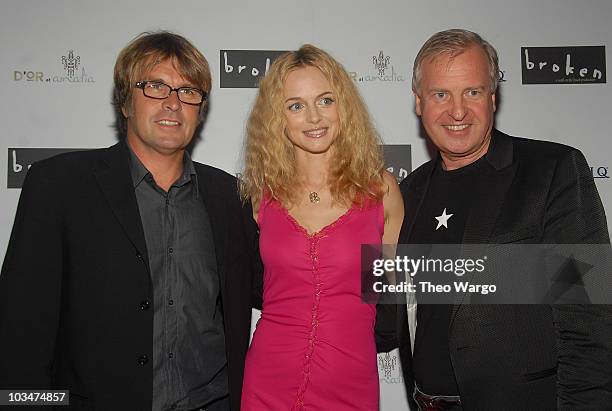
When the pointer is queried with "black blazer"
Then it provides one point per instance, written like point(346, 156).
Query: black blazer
point(525, 357)
point(75, 281)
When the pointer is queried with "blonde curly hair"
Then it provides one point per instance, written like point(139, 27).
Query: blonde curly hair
point(269, 158)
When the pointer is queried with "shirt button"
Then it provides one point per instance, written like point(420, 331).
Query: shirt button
point(170, 355)
point(170, 250)
point(171, 302)
point(144, 305)
point(143, 359)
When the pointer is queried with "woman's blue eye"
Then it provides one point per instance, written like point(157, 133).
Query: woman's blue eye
point(295, 106)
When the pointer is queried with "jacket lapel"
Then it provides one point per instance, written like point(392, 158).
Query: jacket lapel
point(113, 176)
point(213, 209)
point(488, 204)
point(416, 195)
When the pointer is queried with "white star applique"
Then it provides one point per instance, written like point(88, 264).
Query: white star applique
point(443, 219)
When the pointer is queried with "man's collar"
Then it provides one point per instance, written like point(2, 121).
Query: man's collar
point(139, 171)
point(189, 173)
point(500, 154)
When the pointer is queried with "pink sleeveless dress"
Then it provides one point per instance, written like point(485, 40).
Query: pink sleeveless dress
point(314, 346)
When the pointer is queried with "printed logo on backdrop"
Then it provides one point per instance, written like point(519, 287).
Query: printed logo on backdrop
point(563, 65)
point(20, 160)
point(389, 368)
point(398, 160)
point(68, 69)
point(381, 70)
point(71, 63)
point(244, 68)
point(600, 172)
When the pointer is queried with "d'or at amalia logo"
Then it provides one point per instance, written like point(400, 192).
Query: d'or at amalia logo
point(385, 71)
point(70, 62)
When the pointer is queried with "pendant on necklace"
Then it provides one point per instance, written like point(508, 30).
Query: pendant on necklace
point(314, 197)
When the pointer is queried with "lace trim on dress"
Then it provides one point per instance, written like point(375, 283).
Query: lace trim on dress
point(323, 230)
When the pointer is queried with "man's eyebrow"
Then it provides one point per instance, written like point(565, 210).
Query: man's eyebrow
point(186, 84)
point(436, 89)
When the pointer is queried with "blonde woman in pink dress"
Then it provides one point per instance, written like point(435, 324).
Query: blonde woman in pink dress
point(314, 174)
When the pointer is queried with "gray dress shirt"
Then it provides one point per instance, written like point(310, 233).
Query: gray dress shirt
point(189, 361)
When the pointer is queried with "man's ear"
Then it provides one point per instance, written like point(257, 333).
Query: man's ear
point(493, 101)
point(418, 103)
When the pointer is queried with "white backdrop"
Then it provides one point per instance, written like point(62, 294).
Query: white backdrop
point(35, 35)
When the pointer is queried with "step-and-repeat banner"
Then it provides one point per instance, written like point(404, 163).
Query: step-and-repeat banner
point(57, 58)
